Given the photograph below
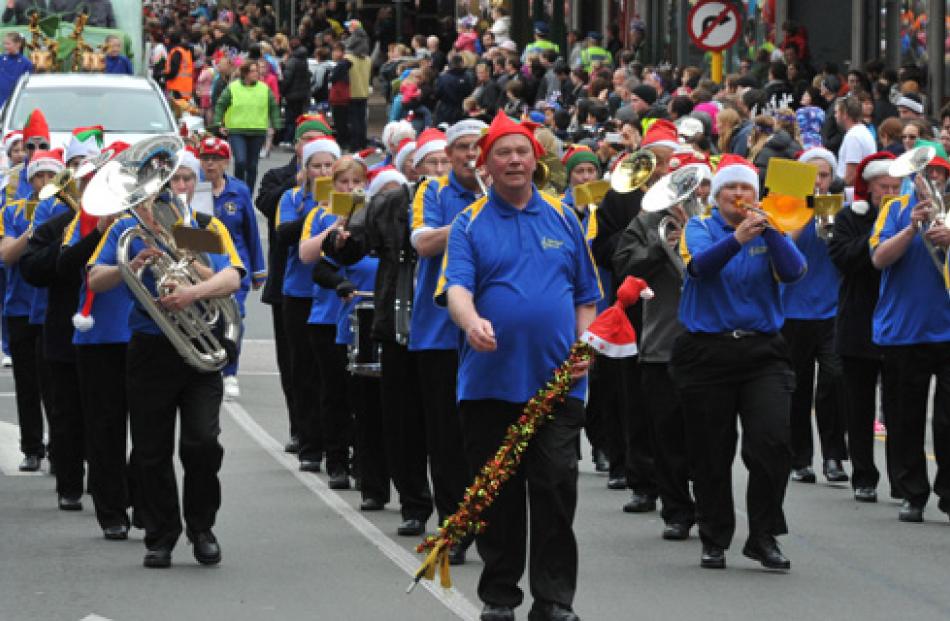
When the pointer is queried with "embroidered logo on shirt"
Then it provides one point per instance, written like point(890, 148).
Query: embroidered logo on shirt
point(756, 250)
point(551, 244)
point(230, 208)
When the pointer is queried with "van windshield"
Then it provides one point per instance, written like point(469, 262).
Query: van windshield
point(119, 110)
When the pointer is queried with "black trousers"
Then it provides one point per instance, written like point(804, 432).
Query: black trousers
point(908, 370)
point(336, 418)
point(371, 452)
point(23, 349)
point(305, 378)
point(449, 468)
point(810, 342)
point(341, 126)
point(638, 461)
point(159, 386)
point(106, 413)
point(548, 477)
point(404, 427)
point(720, 380)
point(283, 365)
point(67, 429)
point(292, 109)
point(357, 124)
point(668, 434)
point(861, 379)
point(603, 408)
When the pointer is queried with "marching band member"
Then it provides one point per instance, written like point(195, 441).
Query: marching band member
point(15, 155)
point(403, 161)
point(433, 339)
point(233, 207)
point(336, 422)
point(857, 296)
point(272, 187)
point(732, 362)
point(643, 253)
point(317, 160)
point(160, 385)
point(810, 308)
point(521, 285)
point(912, 325)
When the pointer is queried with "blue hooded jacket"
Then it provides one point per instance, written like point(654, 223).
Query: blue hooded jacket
point(119, 64)
point(12, 66)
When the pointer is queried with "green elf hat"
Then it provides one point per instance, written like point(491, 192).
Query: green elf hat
point(579, 154)
point(85, 142)
point(312, 123)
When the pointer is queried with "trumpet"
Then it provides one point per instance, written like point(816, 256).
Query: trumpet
point(914, 161)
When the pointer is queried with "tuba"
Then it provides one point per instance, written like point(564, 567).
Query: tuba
point(914, 161)
point(675, 188)
point(633, 171)
point(133, 181)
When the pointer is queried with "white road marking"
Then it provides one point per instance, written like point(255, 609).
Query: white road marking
point(94, 617)
point(10, 455)
point(453, 599)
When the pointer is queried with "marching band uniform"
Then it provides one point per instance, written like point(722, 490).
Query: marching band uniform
point(810, 308)
point(733, 362)
point(916, 346)
point(857, 296)
point(529, 272)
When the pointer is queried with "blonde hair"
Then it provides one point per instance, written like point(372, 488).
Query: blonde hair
point(546, 139)
point(727, 120)
point(763, 127)
point(346, 164)
point(785, 119)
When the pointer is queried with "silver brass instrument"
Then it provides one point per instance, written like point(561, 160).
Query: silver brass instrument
point(916, 161)
point(677, 187)
point(132, 182)
point(478, 178)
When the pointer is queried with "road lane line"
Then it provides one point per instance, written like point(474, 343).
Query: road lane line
point(452, 598)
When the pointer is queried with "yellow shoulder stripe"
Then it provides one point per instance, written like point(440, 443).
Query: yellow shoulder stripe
point(229, 247)
point(882, 219)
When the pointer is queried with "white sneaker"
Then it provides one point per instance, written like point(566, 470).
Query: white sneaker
point(7, 362)
point(231, 389)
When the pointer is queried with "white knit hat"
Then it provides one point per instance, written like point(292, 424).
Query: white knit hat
point(188, 160)
point(382, 177)
point(465, 127)
point(431, 140)
point(395, 132)
point(819, 153)
point(324, 144)
point(405, 150)
point(733, 169)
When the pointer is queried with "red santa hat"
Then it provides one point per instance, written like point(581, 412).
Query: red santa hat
point(871, 167)
point(45, 161)
point(403, 152)
point(430, 141)
point(11, 139)
point(611, 333)
point(323, 144)
point(733, 169)
point(503, 125)
point(379, 178)
point(36, 128)
point(689, 158)
point(662, 133)
point(213, 145)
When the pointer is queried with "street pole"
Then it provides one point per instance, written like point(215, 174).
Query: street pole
point(521, 28)
point(892, 32)
point(398, 20)
point(558, 33)
point(936, 34)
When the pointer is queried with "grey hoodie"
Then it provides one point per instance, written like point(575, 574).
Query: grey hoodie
point(358, 43)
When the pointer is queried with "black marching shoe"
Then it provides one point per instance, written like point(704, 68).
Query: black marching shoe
point(601, 463)
point(617, 482)
point(159, 557)
point(865, 494)
point(119, 532)
point(910, 513)
point(676, 531)
point(550, 611)
point(803, 475)
point(411, 528)
point(293, 445)
point(338, 478)
point(30, 463)
point(497, 613)
point(640, 503)
point(765, 550)
point(205, 547)
point(372, 504)
point(310, 465)
point(834, 471)
point(70, 504)
point(713, 557)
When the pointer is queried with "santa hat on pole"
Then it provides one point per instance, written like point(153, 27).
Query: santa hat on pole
point(871, 167)
point(611, 333)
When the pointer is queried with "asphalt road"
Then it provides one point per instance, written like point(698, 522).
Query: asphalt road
point(295, 550)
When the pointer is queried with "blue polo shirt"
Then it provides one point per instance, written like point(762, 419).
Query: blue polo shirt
point(436, 204)
point(913, 306)
point(815, 296)
point(588, 219)
point(363, 275)
point(12, 67)
point(295, 204)
point(326, 306)
point(234, 208)
point(743, 295)
point(45, 210)
point(19, 294)
point(528, 271)
point(110, 309)
point(106, 254)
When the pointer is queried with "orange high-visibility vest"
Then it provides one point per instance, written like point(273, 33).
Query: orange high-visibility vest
point(184, 82)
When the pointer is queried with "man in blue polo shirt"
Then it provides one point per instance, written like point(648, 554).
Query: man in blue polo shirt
point(912, 325)
point(433, 338)
point(521, 284)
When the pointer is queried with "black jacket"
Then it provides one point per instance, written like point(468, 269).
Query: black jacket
point(860, 283)
point(385, 233)
point(295, 85)
point(451, 89)
point(100, 11)
point(39, 268)
point(273, 185)
point(614, 215)
point(831, 134)
point(779, 145)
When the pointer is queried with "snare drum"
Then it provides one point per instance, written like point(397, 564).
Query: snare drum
point(363, 354)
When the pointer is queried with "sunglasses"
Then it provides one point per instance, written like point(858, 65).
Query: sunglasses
point(32, 145)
